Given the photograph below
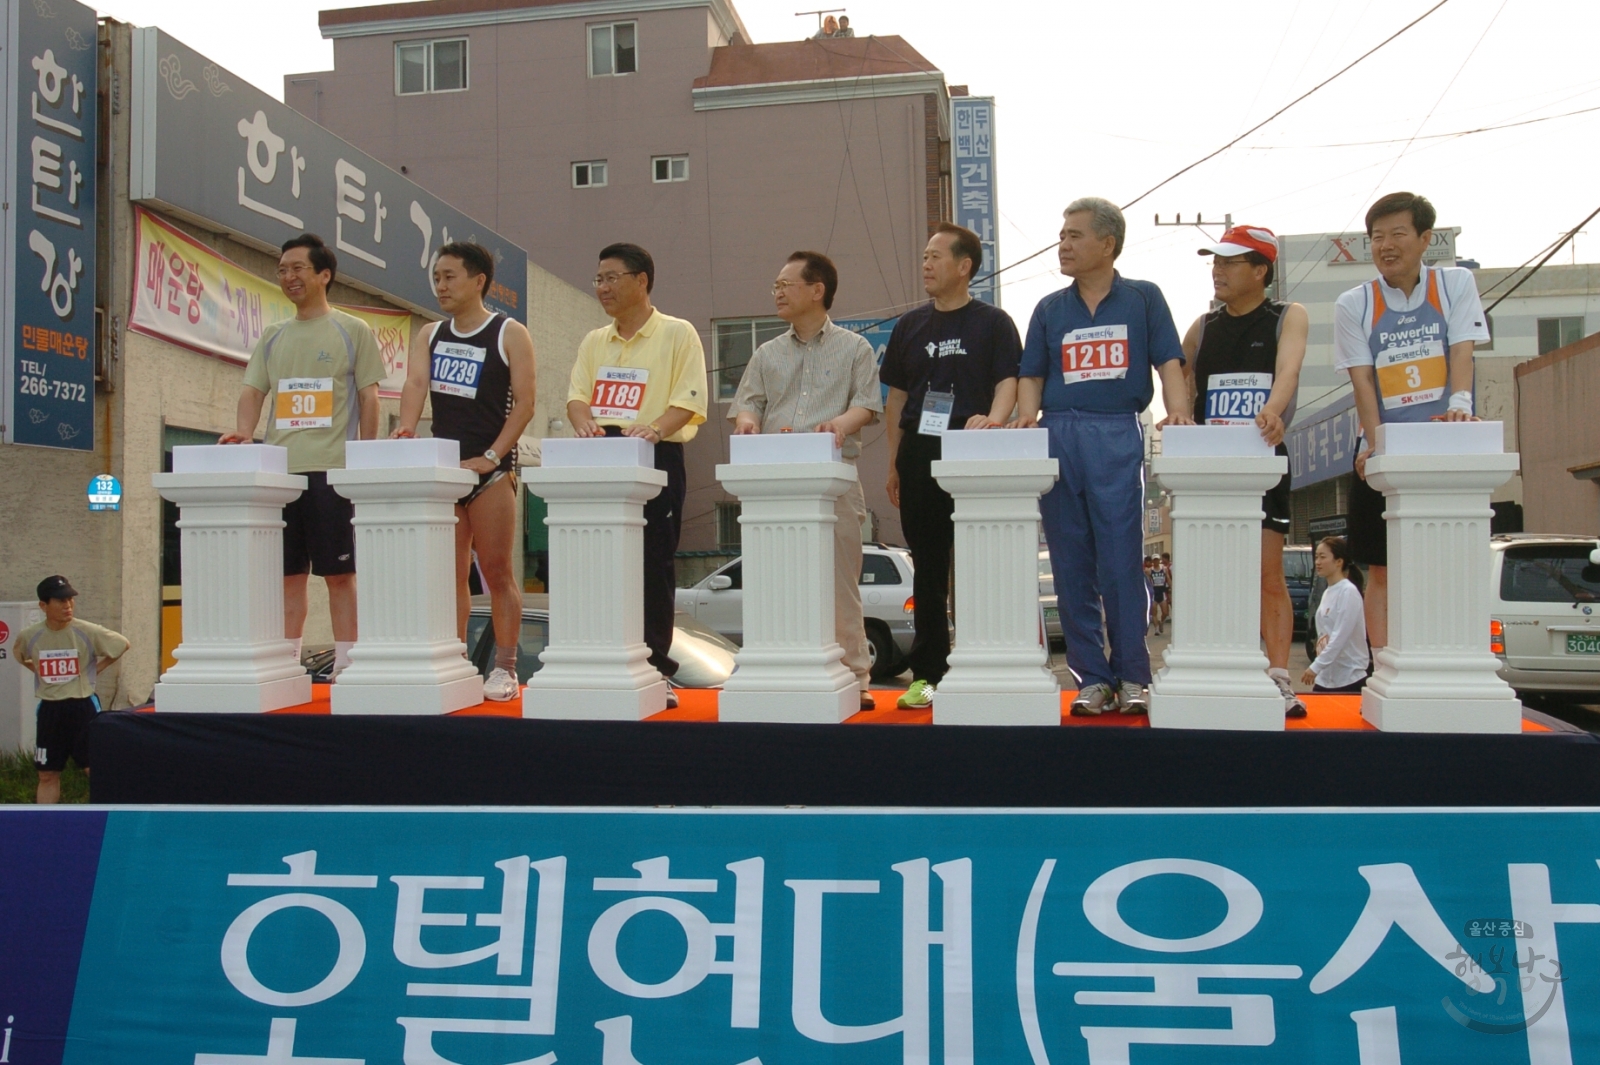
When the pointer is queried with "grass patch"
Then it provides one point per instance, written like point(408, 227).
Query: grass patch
point(19, 779)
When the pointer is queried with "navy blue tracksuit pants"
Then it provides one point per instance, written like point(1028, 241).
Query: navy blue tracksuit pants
point(1093, 525)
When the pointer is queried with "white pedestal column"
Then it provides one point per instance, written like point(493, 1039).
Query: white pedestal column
point(1215, 674)
point(407, 658)
point(233, 658)
point(999, 670)
point(791, 666)
point(596, 665)
point(1437, 673)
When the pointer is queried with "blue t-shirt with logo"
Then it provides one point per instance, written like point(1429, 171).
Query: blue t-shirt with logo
point(1100, 361)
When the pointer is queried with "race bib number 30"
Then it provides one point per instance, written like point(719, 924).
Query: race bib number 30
point(1412, 373)
point(58, 667)
point(1099, 353)
point(305, 403)
point(1236, 398)
point(618, 392)
point(457, 369)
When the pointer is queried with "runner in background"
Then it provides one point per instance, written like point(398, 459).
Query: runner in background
point(1156, 577)
point(644, 376)
point(1243, 367)
point(66, 656)
point(1406, 339)
point(478, 369)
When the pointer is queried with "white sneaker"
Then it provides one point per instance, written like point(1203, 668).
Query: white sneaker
point(501, 686)
point(1293, 706)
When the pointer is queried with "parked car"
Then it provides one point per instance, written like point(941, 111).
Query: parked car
point(717, 603)
point(1545, 609)
point(705, 658)
point(1299, 573)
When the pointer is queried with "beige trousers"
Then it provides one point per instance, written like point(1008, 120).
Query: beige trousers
point(851, 511)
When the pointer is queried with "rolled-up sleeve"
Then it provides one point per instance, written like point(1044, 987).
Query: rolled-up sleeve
point(864, 388)
point(751, 395)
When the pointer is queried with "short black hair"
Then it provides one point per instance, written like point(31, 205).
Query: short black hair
point(478, 260)
point(1421, 211)
point(1255, 258)
point(635, 258)
point(818, 268)
point(322, 257)
point(964, 244)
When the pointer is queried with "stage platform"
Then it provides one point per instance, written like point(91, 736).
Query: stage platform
point(490, 755)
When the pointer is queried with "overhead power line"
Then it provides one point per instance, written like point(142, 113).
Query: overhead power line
point(1423, 137)
point(1547, 255)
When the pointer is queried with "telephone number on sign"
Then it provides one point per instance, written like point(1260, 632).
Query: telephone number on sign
point(41, 386)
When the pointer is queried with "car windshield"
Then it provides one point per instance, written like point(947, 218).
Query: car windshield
point(1297, 565)
point(1549, 573)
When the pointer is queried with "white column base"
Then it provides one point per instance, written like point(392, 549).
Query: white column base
point(408, 699)
point(793, 686)
point(988, 708)
point(1433, 692)
point(791, 707)
point(1427, 715)
point(406, 679)
point(595, 704)
point(257, 698)
point(1248, 714)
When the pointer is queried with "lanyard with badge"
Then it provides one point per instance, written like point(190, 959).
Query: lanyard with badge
point(937, 406)
point(304, 403)
point(58, 667)
point(619, 392)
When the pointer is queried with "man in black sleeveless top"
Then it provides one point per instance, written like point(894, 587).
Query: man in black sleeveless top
point(477, 369)
point(1243, 364)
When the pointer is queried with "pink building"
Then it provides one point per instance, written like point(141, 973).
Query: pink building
point(570, 124)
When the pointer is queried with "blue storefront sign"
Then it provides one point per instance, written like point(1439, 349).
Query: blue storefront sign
point(49, 288)
point(1323, 445)
point(105, 493)
point(877, 331)
point(659, 937)
point(974, 186)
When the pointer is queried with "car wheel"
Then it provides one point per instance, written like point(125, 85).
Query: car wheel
point(881, 652)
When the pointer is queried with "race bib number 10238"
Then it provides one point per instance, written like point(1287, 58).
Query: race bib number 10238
point(1098, 353)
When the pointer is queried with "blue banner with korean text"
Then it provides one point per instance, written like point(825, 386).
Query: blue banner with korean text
point(973, 184)
point(669, 937)
point(52, 128)
point(1323, 444)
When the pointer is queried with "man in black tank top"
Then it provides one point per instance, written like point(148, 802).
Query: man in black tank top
point(477, 369)
point(1243, 364)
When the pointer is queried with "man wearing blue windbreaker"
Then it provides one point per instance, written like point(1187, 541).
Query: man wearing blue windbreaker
point(1108, 332)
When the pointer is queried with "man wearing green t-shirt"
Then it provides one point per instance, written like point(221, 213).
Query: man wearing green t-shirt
point(66, 656)
point(321, 369)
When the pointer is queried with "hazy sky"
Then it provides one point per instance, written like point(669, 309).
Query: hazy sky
point(1108, 99)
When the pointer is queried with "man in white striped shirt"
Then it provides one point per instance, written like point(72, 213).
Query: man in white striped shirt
point(819, 378)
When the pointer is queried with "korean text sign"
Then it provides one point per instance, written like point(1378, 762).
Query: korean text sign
point(973, 183)
point(208, 144)
point(1323, 444)
point(52, 136)
point(675, 936)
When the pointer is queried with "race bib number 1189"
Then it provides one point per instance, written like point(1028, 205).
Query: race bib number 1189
point(1098, 353)
point(619, 392)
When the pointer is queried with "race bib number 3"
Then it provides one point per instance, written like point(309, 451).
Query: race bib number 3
point(305, 403)
point(457, 369)
point(1412, 373)
point(1099, 353)
point(1236, 398)
point(58, 667)
point(619, 392)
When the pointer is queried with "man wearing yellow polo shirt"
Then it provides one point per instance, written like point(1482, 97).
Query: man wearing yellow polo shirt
point(644, 375)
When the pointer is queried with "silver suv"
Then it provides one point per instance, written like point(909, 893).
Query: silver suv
point(1544, 595)
point(717, 602)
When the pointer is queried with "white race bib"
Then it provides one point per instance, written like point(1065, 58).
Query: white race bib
point(1236, 398)
point(457, 368)
point(619, 392)
point(1098, 353)
point(1412, 373)
point(58, 667)
point(305, 403)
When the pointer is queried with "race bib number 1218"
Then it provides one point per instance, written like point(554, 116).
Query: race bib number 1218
point(1098, 353)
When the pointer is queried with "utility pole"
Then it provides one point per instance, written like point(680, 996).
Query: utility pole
point(1177, 220)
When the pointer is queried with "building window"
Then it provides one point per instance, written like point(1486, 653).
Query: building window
point(430, 66)
point(666, 168)
point(728, 525)
point(589, 175)
point(1559, 332)
point(736, 340)
point(613, 49)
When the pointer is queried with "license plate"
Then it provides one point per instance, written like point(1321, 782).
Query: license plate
point(1051, 613)
point(1583, 643)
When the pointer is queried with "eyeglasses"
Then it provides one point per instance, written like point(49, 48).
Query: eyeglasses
point(294, 269)
point(1235, 260)
point(779, 285)
point(601, 280)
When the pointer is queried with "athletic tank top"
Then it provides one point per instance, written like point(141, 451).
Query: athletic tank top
point(1410, 355)
point(1234, 367)
point(470, 382)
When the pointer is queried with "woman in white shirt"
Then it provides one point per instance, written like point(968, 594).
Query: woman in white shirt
point(1342, 656)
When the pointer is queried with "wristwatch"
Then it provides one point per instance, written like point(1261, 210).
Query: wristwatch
point(492, 455)
point(654, 428)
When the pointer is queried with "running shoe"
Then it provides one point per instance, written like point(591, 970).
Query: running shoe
point(672, 698)
point(1131, 698)
point(1293, 707)
point(917, 697)
point(501, 686)
point(1093, 700)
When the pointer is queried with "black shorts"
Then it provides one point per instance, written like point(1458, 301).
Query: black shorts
point(64, 730)
point(1366, 531)
point(1158, 595)
point(317, 534)
point(1275, 504)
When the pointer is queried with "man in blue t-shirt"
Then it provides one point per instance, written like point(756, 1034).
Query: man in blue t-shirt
point(1108, 333)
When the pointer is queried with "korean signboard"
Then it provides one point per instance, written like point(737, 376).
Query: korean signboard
point(51, 135)
point(1323, 445)
point(973, 183)
point(185, 292)
point(208, 145)
point(658, 937)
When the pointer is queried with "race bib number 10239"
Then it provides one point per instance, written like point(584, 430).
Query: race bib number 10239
point(1098, 353)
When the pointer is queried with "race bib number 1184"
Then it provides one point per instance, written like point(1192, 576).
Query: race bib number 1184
point(1098, 353)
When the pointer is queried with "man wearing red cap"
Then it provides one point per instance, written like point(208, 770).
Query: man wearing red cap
point(1242, 362)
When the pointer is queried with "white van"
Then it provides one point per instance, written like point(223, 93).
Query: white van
point(1545, 600)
